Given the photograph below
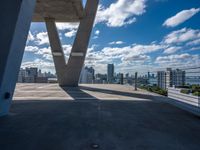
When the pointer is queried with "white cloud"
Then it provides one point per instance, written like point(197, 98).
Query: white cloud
point(47, 54)
point(67, 49)
point(42, 38)
point(121, 13)
point(172, 49)
point(195, 48)
point(116, 43)
point(97, 32)
point(180, 17)
point(127, 56)
point(71, 33)
point(135, 58)
point(41, 64)
point(135, 49)
point(194, 42)
point(178, 60)
point(31, 48)
point(182, 35)
point(67, 26)
point(30, 37)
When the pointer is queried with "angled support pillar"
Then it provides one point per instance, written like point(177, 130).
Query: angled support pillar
point(68, 74)
point(15, 18)
point(56, 49)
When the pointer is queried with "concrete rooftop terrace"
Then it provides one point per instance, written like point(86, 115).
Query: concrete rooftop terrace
point(115, 117)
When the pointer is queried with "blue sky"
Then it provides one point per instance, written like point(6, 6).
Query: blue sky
point(135, 35)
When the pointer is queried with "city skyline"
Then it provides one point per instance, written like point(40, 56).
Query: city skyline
point(163, 78)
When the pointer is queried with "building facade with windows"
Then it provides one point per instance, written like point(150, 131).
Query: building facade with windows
point(170, 78)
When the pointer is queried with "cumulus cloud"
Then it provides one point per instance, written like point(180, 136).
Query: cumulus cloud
point(40, 63)
point(134, 49)
point(182, 35)
point(180, 17)
point(30, 37)
point(71, 33)
point(31, 49)
point(128, 55)
point(67, 26)
point(46, 53)
point(116, 43)
point(97, 32)
point(42, 38)
point(70, 28)
point(178, 60)
point(135, 58)
point(172, 49)
point(194, 42)
point(120, 13)
point(195, 48)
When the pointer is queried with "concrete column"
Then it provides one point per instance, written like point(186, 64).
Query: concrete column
point(79, 49)
point(56, 49)
point(68, 74)
point(15, 18)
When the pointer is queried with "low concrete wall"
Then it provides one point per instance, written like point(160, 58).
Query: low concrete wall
point(175, 93)
point(187, 102)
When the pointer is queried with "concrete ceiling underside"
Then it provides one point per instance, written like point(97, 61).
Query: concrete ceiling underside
point(60, 10)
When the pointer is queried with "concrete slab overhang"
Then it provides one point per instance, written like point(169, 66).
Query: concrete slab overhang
point(60, 10)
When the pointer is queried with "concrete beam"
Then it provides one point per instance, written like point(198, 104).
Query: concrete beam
point(68, 74)
point(60, 10)
point(15, 18)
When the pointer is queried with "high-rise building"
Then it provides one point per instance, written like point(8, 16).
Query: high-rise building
point(121, 78)
point(161, 79)
point(92, 71)
point(178, 77)
point(100, 78)
point(40, 73)
point(32, 72)
point(148, 75)
point(21, 75)
point(31, 75)
point(171, 78)
point(87, 75)
point(127, 75)
point(110, 73)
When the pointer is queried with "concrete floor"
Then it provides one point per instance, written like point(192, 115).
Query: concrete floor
point(46, 117)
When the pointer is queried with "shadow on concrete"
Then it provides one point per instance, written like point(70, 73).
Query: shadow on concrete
point(114, 125)
point(121, 93)
point(78, 94)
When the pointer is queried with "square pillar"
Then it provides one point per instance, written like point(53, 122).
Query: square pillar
point(16, 16)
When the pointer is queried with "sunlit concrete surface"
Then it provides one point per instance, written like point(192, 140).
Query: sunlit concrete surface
point(83, 92)
point(115, 117)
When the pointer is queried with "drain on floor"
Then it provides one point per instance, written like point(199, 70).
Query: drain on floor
point(94, 146)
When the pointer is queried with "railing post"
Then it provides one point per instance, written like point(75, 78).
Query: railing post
point(135, 81)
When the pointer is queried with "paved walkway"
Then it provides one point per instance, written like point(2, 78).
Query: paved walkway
point(110, 117)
